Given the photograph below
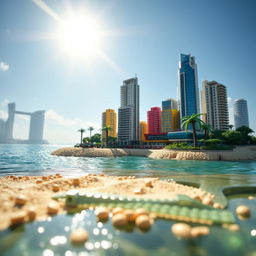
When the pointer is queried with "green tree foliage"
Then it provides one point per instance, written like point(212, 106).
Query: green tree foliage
point(245, 131)
point(233, 137)
point(90, 129)
point(207, 129)
point(192, 120)
point(106, 129)
point(81, 131)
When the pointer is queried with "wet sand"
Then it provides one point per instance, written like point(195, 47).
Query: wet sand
point(243, 153)
point(20, 193)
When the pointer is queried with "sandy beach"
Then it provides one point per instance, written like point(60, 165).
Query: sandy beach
point(243, 153)
point(30, 195)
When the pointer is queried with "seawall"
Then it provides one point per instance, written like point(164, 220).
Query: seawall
point(238, 154)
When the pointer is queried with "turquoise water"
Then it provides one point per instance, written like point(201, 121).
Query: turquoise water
point(37, 160)
point(51, 237)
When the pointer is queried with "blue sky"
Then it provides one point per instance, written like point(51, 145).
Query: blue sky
point(142, 37)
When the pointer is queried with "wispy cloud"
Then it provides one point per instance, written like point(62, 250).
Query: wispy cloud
point(4, 66)
point(62, 130)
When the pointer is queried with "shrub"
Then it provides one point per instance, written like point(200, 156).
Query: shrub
point(216, 147)
point(233, 137)
point(213, 142)
point(181, 145)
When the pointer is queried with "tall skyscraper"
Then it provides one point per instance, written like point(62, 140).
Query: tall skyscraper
point(215, 105)
point(143, 130)
point(188, 86)
point(169, 104)
point(109, 119)
point(170, 118)
point(241, 113)
point(128, 113)
point(154, 120)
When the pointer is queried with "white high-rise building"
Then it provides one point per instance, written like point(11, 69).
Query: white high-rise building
point(128, 113)
point(241, 113)
point(215, 105)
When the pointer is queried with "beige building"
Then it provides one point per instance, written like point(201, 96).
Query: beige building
point(215, 105)
point(109, 119)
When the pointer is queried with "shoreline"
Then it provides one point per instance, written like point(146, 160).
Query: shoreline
point(241, 153)
point(23, 197)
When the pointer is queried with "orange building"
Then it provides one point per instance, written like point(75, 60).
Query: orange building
point(143, 130)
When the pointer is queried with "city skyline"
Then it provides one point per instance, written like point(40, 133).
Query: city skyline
point(35, 74)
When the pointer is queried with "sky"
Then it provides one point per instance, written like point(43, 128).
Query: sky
point(41, 69)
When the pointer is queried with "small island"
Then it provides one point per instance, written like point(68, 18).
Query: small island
point(240, 153)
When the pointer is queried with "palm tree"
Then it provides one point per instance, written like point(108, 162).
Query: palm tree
point(207, 129)
point(81, 131)
point(90, 129)
point(106, 129)
point(192, 120)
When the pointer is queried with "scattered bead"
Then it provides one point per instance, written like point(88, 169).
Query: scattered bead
point(76, 181)
point(79, 236)
point(207, 201)
point(181, 230)
point(140, 211)
point(243, 211)
point(117, 210)
point(130, 215)
point(21, 200)
point(149, 184)
point(217, 205)
point(55, 187)
point(143, 221)
point(138, 191)
point(119, 220)
point(52, 207)
point(200, 231)
point(102, 213)
point(232, 227)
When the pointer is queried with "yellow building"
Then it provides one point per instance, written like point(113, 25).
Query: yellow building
point(109, 119)
point(143, 130)
point(170, 120)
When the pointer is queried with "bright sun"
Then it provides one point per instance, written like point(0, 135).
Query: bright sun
point(80, 36)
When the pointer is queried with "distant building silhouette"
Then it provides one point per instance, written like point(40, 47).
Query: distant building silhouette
point(35, 131)
point(154, 120)
point(241, 113)
point(128, 113)
point(188, 86)
point(170, 116)
point(109, 119)
point(215, 105)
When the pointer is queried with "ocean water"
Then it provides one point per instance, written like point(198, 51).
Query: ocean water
point(40, 238)
point(18, 159)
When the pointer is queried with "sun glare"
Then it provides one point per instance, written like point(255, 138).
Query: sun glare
point(80, 36)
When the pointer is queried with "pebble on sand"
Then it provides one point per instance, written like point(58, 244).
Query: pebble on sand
point(143, 222)
point(31, 213)
point(79, 236)
point(21, 200)
point(181, 230)
point(243, 211)
point(119, 220)
point(18, 218)
point(52, 207)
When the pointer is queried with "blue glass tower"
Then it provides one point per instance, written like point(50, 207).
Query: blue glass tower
point(188, 86)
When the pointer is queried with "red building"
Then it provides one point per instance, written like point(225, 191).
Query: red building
point(154, 120)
